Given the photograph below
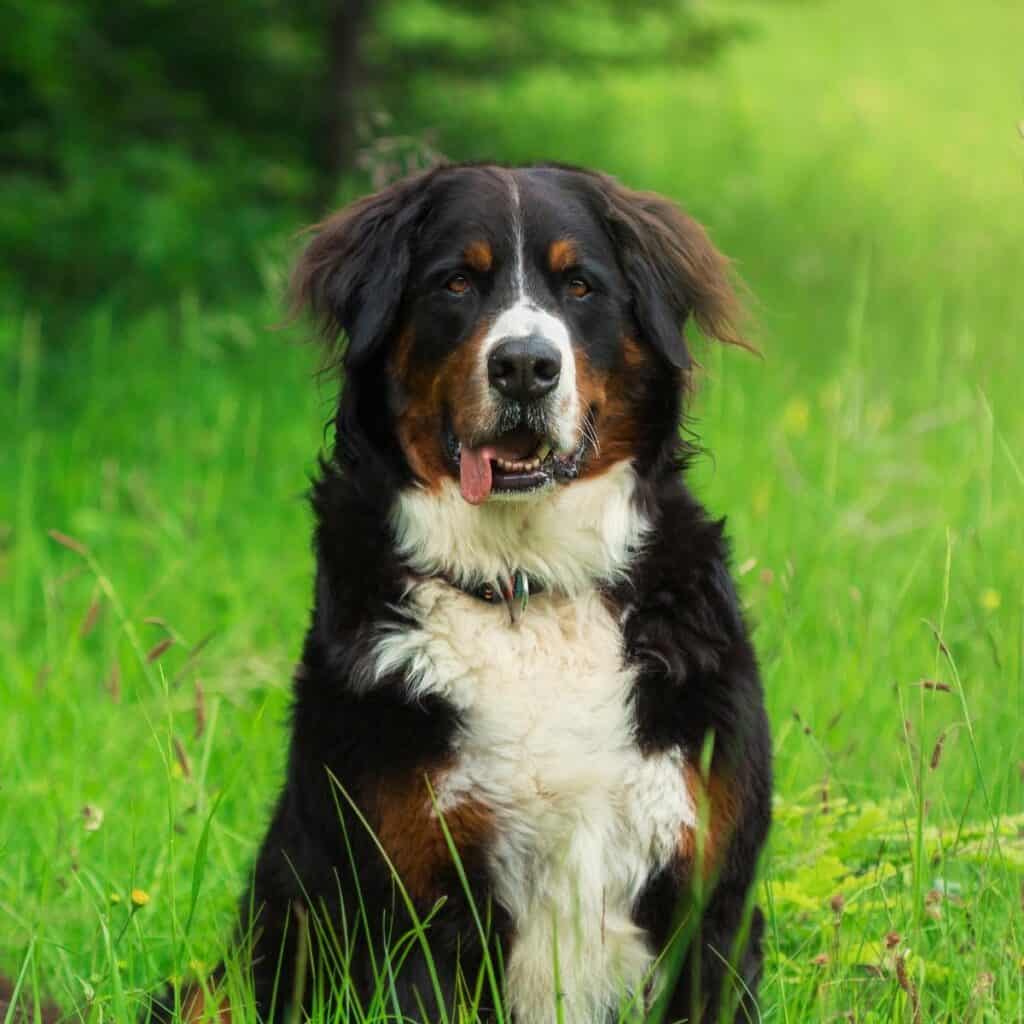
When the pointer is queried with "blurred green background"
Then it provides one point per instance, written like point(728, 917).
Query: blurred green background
point(863, 164)
point(131, 126)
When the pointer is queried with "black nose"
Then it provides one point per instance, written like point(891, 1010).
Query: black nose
point(524, 368)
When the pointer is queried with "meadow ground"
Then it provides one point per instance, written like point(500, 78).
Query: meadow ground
point(864, 168)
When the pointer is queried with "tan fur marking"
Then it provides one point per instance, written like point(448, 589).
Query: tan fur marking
point(562, 255)
point(479, 255)
point(615, 395)
point(634, 355)
point(197, 1008)
point(409, 830)
point(717, 812)
point(428, 390)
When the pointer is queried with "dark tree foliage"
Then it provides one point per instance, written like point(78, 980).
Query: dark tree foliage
point(153, 146)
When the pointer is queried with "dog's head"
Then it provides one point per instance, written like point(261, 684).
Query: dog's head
point(512, 329)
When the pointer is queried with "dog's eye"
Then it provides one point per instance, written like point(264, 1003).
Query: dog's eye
point(578, 288)
point(457, 284)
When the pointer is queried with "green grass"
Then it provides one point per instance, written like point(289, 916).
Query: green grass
point(863, 167)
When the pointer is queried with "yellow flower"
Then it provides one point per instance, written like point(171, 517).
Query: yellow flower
point(762, 498)
point(139, 898)
point(990, 599)
point(796, 417)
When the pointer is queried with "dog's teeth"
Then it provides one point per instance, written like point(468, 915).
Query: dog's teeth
point(518, 465)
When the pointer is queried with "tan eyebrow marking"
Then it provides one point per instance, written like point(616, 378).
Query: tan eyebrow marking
point(562, 255)
point(479, 255)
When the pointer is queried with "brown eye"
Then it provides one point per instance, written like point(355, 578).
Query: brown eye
point(457, 284)
point(578, 288)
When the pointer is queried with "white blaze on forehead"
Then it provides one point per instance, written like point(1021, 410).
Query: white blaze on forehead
point(517, 235)
point(524, 317)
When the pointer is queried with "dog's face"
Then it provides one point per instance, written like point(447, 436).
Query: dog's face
point(523, 327)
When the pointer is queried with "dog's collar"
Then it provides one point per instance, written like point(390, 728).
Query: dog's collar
point(512, 590)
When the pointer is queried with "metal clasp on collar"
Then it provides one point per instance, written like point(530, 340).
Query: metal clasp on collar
point(515, 590)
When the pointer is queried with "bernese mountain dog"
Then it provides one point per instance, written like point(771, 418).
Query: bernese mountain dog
point(530, 766)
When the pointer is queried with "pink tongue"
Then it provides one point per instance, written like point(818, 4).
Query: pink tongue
point(475, 474)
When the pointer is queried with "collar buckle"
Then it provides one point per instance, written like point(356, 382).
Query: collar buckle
point(512, 589)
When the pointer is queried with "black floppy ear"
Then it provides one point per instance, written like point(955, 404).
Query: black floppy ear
point(673, 271)
point(352, 275)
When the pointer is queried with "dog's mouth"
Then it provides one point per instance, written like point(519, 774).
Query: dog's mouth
point(518, 461)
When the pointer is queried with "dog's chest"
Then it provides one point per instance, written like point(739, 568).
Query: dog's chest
point(581, 817)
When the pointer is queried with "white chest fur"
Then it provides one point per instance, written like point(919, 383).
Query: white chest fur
point(581, 816)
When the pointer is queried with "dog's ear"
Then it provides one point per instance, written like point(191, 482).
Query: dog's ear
point(352, 275)
point(673, 271)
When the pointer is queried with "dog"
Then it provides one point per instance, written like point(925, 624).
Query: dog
point(528, 739)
